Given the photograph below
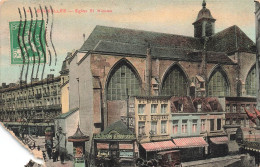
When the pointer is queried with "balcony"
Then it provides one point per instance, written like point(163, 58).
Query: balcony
point(46, 94)
point(55, 106)
point(30, 97)
point(38, 96)
point(54, 93)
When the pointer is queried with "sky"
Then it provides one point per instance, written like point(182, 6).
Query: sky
point(167, 16)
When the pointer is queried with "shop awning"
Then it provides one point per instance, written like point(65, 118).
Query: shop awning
point(190, 142)
point(219, 140)
point(158, 146)
point(102, 146)
point(125, 146)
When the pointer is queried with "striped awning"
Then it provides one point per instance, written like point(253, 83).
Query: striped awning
point(190, 142)
point(125, 146)
point(158, 146)
point(219, 140)
point(102, 146)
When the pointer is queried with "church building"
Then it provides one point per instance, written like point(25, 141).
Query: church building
point(114, 64)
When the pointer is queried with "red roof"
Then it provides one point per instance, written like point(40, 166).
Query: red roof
point(190, 142)
point(219, 140)
point(158, 146)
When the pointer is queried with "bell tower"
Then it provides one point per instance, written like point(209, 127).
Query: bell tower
point(204, 26)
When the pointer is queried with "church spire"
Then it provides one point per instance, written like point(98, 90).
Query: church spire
point(204, 4)
point(205, 23)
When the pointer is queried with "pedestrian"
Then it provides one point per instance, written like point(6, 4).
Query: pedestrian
point(57, 155)
point(62, 156)
point(54, 156)
point(49, 152)
point(44, 155)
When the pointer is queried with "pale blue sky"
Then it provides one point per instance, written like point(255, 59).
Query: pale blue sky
point(168, 16)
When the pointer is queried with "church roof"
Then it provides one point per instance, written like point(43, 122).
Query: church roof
point(111, 40)
point(230, 40)
point(138, 37)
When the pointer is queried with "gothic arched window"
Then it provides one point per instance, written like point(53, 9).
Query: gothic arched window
point(122, 77)
point(218, 85)
point(251, 82)
point(175, 82)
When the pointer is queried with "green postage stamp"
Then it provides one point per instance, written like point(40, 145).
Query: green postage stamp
point(25, 47)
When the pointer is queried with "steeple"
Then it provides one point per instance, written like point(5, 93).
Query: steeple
point(204, 4)
point(205, 23)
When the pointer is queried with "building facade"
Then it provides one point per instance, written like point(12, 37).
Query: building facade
point(32, 106)
point(152, 118)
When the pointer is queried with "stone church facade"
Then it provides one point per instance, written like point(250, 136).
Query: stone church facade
point(114, 63)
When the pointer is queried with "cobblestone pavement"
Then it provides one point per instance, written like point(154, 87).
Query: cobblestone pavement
point(40, 141)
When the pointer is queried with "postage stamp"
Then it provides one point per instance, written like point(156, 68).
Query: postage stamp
point(22, 31)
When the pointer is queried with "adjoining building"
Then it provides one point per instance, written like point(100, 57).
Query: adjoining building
point(30, 108)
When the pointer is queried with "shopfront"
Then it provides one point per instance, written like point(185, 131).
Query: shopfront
point(115, 146)
point(192, 148)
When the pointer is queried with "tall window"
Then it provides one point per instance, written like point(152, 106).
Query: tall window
point(141, 128)
point(154, 108)
point(242, 110)
point(175, 83)
point(141, 108)
point(212, 128)
point(218, 85)
point(154, 128)
point(203, 125)
point(228, 108)
point(218, 124)
point(163, 108)
point(234, 108)
point(194, 125)
point(175, 126)
point(163, 127)
point(122, 78)
point(184, 126)
point(209, 29)
point(251, 82)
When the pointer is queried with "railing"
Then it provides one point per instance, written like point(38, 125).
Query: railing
point(46, 94)
point(30, 97)
point(252, 144)
point(38, 96)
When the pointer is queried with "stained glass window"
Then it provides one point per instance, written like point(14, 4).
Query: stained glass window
point(175, 83)
point(122, 78)
point(251, 82)
point(218, 85)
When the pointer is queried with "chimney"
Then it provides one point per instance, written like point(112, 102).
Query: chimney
point(12, 84)
point(35, 79)
point(50, 76)
point(4, 85)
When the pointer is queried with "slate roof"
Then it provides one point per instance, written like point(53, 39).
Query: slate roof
point(230, 40)
point(65, 115)
point(185, 101)
point(138, 37)
point(167, 46)
point(119, 127)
